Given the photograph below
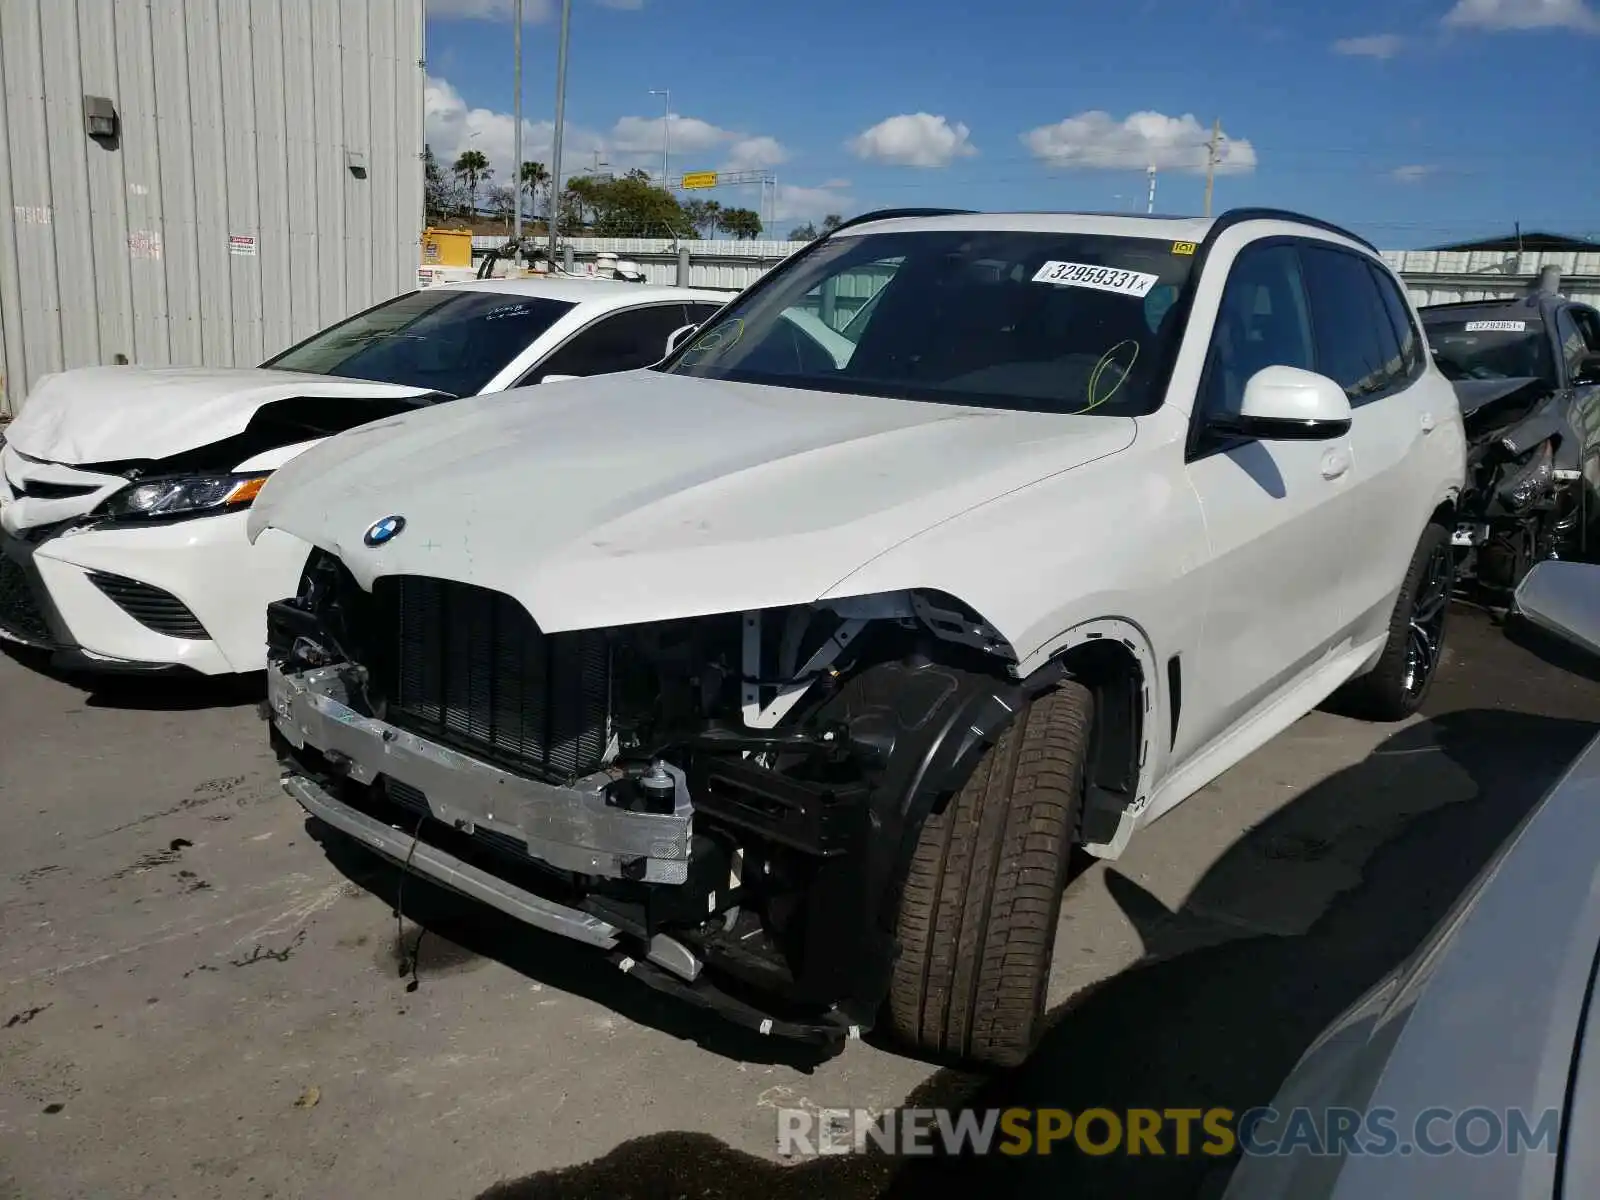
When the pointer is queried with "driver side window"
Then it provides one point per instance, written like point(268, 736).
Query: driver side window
point(1261, 322)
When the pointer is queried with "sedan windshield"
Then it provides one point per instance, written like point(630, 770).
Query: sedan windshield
point(446, 340)
point(1490, 347)
point(1043, 322)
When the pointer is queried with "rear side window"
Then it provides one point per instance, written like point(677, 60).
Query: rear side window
point(1411, 360)
point(1356, 344)
point(620, 341)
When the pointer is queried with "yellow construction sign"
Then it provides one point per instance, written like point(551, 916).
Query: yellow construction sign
point(700, 179)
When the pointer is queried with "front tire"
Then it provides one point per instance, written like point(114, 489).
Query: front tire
point(977, 919)
point(1397, 686)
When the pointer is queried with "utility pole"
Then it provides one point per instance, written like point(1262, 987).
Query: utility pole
point(561, 120)
point(516, 103)
point(1150, 204)
point(666, 131)
point(1211, 159)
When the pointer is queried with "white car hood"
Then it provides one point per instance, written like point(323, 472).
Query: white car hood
point(112, 414)
point(645, 496)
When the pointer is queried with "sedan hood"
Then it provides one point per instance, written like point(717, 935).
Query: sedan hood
point(114, 414)
point(645, 496)
point(1474, 394)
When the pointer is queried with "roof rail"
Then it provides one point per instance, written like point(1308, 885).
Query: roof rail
point(1237, 216)
point(889, 214)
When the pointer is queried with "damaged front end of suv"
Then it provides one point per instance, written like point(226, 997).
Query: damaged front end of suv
point(727, 804)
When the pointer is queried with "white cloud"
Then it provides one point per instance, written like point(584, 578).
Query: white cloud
point(834, 183)
point(452, 127)
point(1412, 172)
point(1377, 45)
point(809, 203)
point(1097, 141)
point(1523, 14)
point(914, 140)
point(755, 154)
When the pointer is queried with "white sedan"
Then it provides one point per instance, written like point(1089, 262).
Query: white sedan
point(124, 490)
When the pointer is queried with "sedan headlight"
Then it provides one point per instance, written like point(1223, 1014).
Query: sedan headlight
point(184, 495)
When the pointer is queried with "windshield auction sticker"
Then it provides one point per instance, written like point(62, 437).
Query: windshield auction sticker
point(1102, 279)
point(1497, 327)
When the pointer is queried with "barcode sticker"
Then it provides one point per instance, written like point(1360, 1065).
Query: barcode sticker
point(1102, 279)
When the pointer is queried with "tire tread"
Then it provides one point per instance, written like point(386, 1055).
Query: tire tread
point(978, 912)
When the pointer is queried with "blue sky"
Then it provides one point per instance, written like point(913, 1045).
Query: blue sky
point(1412, 121)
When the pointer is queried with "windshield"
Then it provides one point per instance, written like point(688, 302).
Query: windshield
point(445, 340)
point(1044, 322)
point(1490, 347)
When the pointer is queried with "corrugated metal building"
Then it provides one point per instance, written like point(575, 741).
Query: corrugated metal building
point(262, 178)
point(1446, 276)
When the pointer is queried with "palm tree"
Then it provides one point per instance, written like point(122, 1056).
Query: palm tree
point(472, 168)
point(534, 177)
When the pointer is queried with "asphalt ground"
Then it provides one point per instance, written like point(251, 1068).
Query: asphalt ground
point(203, 995)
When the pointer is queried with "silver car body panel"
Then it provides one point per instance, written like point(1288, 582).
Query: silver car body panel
point(569, 827)
point(1489, 1013)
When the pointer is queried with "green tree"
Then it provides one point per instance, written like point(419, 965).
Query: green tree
point(502, 203)
point(472, 169)
point(739, 223)
point(578, 202)
point(701, 215)
point(437, 195)
point(635, 207)
point(803, 233)
point(831, 222)
point(535, 178)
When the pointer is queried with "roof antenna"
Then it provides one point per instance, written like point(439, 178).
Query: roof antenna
point(1518, 226)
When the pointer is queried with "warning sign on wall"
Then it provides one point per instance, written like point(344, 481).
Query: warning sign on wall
point(242, 243)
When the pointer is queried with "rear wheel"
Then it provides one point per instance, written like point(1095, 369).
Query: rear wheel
point(1397, 686)
point(977, 919)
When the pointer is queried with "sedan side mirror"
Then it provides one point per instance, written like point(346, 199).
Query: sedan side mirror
point(1287, 403)
point(678, 336)
point(1587, 372)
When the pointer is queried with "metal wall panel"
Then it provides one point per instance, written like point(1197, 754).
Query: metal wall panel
point(225, 224)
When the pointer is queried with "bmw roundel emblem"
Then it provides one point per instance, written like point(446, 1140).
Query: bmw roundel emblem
point(383, 531)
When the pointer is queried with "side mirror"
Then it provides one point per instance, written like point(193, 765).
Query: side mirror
point(1562, 598)
point(1587, 372)
point(1286, 403)
point(559, 378)
point(678, 336)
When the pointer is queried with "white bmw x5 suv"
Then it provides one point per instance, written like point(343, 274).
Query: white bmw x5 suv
point(789, 676)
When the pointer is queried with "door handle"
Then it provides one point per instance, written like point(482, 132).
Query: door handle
point(1427, 422)
point(1335, 463)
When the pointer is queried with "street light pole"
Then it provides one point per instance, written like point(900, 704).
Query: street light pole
point(561, 120)
point(516, 104)
point(666, 131)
